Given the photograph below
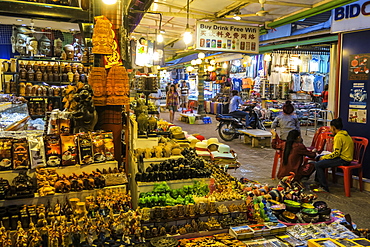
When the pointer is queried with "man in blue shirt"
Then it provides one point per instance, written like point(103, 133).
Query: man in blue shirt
point(234, 106)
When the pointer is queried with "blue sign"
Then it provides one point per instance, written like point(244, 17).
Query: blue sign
point(358, 95)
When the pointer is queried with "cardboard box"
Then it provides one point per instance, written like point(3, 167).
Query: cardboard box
point(241, 232)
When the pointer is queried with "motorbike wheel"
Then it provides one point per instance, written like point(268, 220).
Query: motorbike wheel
point(225, 136)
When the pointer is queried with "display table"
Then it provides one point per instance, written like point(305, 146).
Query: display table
point(257, 137)
point(185, 117)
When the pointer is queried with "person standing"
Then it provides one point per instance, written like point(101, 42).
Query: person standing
point(325, 97)
point(172, 102)
point(342, 154)
point(287, 121)
point(234, 106)
point(184, 93)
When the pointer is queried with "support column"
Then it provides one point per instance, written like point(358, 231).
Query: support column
point(201, 75)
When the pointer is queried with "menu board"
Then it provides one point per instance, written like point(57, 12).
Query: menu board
point(213, 36)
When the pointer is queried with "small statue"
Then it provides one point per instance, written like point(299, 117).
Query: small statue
point(19, 40)
point(58, 47)
point(46, 189)
point(45, 46)
point(32, 46)
point(69, 52)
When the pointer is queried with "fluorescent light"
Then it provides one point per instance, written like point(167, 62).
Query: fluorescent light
point(24, 25)
point(19, 20)
point(236, 17)
point(48, 27)
point(109, 2)
point(159, 38)
point(162, 31)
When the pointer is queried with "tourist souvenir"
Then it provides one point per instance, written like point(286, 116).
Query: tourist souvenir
point(69, 149)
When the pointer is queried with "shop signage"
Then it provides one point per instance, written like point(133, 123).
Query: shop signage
point(227, 38)
point(144, 52)
point(354, 16)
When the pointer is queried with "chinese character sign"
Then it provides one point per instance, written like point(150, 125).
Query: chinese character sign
point(229, 38)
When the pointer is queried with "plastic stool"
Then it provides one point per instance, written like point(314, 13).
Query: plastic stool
point(207, 120)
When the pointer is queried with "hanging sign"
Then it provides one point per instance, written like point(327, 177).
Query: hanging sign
point(354, 16)
point(227, 38)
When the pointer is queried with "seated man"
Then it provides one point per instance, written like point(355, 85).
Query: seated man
point(233, 108)
point(342, 154)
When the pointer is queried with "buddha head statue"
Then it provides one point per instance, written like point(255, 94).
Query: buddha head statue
point(19, 40)
point(45, 45)
point(70, 51)
point(58, 47)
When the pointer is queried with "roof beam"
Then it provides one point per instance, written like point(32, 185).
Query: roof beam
point(301, 5)
point(235, 5)
point(237, 21)
point(184, 15)
point(183, 8)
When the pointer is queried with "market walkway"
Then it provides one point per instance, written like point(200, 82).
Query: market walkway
point(257, 163)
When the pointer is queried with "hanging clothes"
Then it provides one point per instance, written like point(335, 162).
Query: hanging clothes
point(307, 83)
point(324, 64)
point(296, 83)
point(305, 64)
point(314, 63)
point(274, 78)
point(318, 84)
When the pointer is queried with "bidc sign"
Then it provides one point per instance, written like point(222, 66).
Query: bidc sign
point(354, 16)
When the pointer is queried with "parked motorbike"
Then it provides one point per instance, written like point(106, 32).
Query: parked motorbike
point(229, 125)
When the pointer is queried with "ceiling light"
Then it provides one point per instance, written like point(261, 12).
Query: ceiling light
point(212, 62)
point(156, 56)
point(224, 65)
point(48, 27)
point(162, 31)
point(159, 38)
point(193, 62)
point(198, 61)
point(109, 2)
point(188, 37)
point(210, 68)
point(24, 25)
point(71, 29)
point(236, 17)
point(19, 20)
point(201, 55)
point(189, 69)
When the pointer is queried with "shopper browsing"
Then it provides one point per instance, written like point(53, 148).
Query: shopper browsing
point(325, 97)
point(287, 121)
point(234, 106)
point(294, 152)
point(172, 102)
point(184, 93)
point(342, 154)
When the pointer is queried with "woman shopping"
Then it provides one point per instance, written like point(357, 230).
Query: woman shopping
point(172, 102)
point(287, 121)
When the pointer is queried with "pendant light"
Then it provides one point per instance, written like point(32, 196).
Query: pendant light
point(187, 36)
point(110, 2)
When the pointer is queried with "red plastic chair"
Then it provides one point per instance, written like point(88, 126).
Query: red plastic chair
point(278, 143)
point(360, 145)
point(320, 144)
point(316, 136)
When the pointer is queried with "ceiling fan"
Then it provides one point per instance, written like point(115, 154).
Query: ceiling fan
point(32, 29)
point(261, 12)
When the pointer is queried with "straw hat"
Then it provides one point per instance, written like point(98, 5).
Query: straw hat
point(201, 149)
point(223, 152)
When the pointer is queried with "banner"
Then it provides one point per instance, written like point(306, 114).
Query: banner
point(227, 38)
point(354, 16)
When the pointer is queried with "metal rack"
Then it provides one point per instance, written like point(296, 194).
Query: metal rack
point(319, 116)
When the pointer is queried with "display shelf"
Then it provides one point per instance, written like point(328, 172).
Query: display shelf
point(56, 197)
point(35, 97)
point(46, 59)
point(10, 73)
point(143, 187)
point(67, 170)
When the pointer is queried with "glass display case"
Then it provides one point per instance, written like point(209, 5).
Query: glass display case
point(13, 116)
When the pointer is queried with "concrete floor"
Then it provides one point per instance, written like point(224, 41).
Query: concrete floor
point(257, 164)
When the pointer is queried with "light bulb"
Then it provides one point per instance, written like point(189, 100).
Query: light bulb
point(213, 62)
point(199, 61)
point(159, 38)
point(188, 37)
point(201, 55)
point(189, 69)
point(193, 62)
point(109, 2)
point(224, 66)
point(210, 68)
point(236, 17)
point(156, 56)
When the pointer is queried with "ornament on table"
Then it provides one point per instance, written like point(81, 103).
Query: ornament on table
point(69, 52)
point(44, 46)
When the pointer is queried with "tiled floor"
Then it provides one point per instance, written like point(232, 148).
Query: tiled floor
point(257, 163)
